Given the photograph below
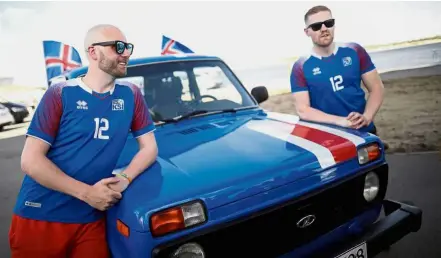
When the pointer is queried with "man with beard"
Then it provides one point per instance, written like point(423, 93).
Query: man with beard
point(72, 146)
point(326, 83)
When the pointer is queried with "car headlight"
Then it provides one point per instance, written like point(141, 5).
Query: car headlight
point(177, 218)
point(371, 186)
point(368, 153)
point(189, 250)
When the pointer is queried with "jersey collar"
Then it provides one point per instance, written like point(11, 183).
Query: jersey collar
point(336, 48)
point(88, 89)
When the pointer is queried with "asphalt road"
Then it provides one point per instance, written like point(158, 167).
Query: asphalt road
point(404, 58)
point(414, 177)
point(418, 72)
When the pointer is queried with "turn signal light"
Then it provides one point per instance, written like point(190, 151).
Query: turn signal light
point(122, 228)
point(369, 153)
point(177, 218)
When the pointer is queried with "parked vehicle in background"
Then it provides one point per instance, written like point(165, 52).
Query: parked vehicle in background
point(6, 117)
point(18, 111)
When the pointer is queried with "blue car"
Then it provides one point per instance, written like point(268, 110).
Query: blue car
point(234, 180)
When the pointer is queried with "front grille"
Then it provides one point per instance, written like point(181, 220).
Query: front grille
point(273, 233)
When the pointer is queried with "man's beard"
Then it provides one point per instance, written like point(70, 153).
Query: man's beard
point(110, 67)
point(321, 42)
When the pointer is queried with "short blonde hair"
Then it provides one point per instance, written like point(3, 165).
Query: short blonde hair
point(316, 9)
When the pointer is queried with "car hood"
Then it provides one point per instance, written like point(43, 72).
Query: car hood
point(236, 156)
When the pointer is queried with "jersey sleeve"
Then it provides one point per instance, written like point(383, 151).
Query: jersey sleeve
point(142, 122)
point(366, 64)
point(46, 119)
point(297, 77)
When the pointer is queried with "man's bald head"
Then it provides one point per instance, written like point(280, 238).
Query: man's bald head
point(102, 32)
point(104, 57)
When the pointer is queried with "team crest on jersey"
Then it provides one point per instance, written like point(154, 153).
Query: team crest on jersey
point(117, 104)
point(347, 61)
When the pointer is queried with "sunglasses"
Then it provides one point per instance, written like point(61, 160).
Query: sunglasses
point(318, 25)
point(119, 46)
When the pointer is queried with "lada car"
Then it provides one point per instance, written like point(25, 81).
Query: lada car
point(235, 180)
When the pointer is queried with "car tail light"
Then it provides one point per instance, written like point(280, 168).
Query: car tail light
point(177, 218)
point(369, 153)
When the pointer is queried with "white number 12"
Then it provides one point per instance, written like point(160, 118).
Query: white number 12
point(336, 81)
point(99, 129)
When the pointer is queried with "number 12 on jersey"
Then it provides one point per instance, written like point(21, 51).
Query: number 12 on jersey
point(101, 125)
point(336, 81)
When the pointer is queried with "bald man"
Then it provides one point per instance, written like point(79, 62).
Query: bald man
point(71, 148)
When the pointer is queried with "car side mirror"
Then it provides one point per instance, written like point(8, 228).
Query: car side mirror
point(260, 93)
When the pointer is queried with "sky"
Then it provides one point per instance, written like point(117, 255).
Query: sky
point(244, 34)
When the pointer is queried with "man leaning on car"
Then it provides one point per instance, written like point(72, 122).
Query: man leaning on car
point(326, 83)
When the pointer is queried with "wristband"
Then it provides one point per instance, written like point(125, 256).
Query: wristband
point(124, 175)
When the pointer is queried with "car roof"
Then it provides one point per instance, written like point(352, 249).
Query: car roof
point(150, 60)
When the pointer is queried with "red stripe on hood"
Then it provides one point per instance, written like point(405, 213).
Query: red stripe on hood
point(341, 148)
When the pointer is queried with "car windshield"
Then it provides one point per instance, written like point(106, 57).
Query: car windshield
point(176, 89)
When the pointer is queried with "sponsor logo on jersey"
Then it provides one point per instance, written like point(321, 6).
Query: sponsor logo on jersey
point(81, 104)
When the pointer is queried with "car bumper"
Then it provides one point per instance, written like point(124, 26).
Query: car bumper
point(400, 220)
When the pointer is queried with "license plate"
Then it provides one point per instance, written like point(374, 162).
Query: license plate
point(359, 251)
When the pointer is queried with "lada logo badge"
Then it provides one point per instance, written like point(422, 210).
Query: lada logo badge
point(306, 221)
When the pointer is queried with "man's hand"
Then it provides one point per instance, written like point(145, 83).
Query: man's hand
point(343, 122)
point(101, 196)
point(119, 186)
point(358, 120)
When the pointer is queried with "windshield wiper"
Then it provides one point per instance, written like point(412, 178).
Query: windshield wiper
point(234, 110)
point(199, 112)
point(182, 117)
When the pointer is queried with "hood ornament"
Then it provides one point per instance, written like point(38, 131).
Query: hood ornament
point(306, 221)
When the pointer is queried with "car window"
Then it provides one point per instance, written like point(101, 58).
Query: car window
point(176, 88)
point(212, 81)
point(136, 80)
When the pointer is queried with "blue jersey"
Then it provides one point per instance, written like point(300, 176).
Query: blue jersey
point(334, 82)
point(86, 132)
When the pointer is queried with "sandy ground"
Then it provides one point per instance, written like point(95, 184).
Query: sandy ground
point(409, 119)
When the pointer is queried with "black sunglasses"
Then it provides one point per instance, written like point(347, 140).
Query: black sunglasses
point(119, 46)
point(318, 25)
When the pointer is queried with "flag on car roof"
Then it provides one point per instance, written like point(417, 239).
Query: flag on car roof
point(173, 47)
point(59, 58)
